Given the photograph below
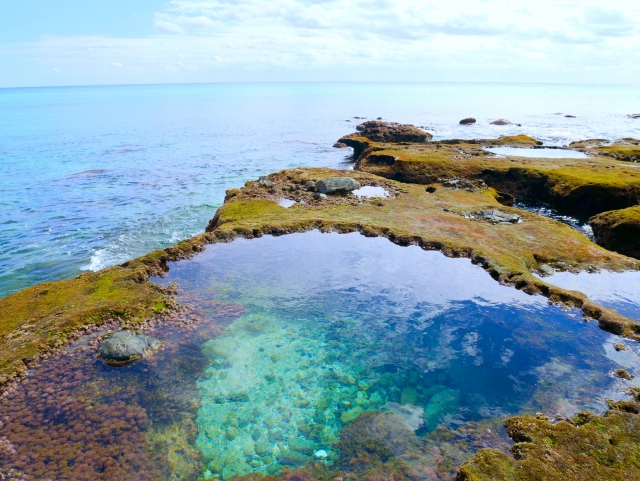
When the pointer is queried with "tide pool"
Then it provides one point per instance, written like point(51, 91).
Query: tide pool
point(94, 176)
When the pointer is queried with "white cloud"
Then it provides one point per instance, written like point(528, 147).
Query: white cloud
point(117, 64)
point(204, 40)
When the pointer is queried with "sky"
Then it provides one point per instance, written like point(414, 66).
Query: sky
point(100, 42)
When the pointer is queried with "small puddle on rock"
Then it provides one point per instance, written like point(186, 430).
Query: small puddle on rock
point(371, 191)
point(543, 153)
point(286, 203)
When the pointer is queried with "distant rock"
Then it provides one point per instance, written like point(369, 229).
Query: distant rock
point(392, 132)
point(335, 185)
point(500, 122)
point(340, 145)
point(468, 121)
point(634, 116)
point(570, 116)
point(124, 347)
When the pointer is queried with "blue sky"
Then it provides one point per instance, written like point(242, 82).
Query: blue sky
point(85, 42)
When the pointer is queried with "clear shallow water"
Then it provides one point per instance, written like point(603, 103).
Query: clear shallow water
point(537, 153)
point(337, 325)
point(291, 339)
point(581, 225)
point(93, 176)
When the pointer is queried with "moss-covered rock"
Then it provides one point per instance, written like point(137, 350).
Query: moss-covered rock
point(618, 230)
point(585, 186)
point(588, 447)
point(45, 317)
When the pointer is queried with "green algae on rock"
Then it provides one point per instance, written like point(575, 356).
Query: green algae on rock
point(588, 186)
point(618, 230)
point(586, 447)
point(44, 318)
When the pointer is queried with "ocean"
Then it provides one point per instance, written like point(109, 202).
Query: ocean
point(94, 176)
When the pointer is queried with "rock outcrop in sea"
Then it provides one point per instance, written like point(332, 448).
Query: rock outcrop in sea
point(379, 131)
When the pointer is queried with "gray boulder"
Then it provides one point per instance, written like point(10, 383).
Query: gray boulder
point(265, 182)
point(337, 185)
point(497, 217)
point(124, 347)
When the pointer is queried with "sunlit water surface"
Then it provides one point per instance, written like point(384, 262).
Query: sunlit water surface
point(94, 176)
point(298, 336)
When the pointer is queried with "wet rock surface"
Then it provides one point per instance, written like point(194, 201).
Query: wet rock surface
point(124, 347)
point(618, 230)
point(339, 185)
point(392, 132)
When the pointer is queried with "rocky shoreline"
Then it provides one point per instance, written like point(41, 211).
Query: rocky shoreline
point(451, 196)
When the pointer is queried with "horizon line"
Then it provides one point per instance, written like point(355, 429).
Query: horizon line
point(315, 82)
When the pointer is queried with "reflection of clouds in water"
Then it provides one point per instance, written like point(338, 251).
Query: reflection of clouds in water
point(470, 347)
point(617, 290)
point(506, 355)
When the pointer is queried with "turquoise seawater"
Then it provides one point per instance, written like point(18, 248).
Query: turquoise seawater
point(93, 176)
point(343, 350)
point(338, 325)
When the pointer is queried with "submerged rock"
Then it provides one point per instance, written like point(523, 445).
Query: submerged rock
point(439, 406)
point(382, 434)
point(413, 415)
point(335, 185)
point(124, 347)
point(392, 132)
